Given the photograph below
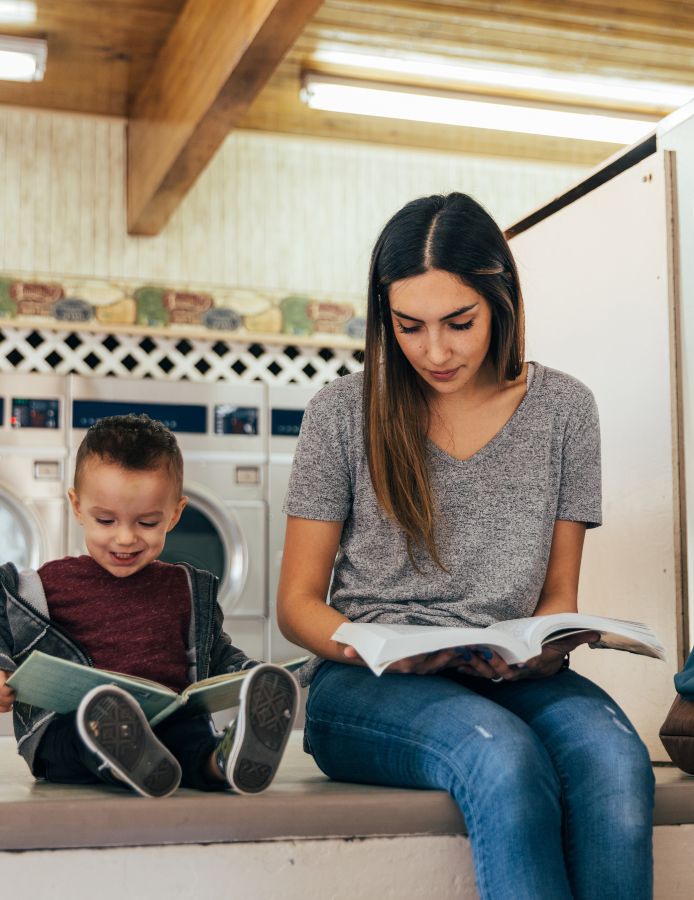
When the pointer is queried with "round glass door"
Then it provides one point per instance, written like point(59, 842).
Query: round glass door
point(208, 537)
point(19, 543)
point(195, 540)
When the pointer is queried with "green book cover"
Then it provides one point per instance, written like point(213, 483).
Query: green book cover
point(59, 685)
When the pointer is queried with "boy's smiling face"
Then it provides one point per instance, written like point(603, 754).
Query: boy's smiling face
point(126, 514)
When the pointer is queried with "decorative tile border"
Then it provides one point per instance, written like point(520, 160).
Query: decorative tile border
point(235, 314)
point(167, 358)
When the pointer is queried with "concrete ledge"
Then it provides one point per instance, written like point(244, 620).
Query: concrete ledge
point(302, 803)
point(674, 797)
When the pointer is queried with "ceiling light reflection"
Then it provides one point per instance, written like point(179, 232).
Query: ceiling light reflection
point(446, 110)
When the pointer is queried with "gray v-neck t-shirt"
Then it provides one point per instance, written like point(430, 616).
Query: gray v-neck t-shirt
point(496, 509)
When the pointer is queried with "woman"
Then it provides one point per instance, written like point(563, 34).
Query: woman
point(454, 483)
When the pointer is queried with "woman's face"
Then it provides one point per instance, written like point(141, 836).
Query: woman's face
point(443, 327)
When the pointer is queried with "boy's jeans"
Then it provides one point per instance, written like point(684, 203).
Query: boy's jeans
point(554, 783)
point(66, 760)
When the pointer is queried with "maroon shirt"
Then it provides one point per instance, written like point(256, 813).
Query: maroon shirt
point(137, 625)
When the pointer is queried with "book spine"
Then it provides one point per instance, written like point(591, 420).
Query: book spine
point(168, 710)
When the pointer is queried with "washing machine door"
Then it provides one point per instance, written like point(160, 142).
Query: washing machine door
point(21, 541)
point(208, 537)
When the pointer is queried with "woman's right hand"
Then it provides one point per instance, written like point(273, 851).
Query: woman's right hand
point(303, 615)
point(422, 664)
point(7, 695)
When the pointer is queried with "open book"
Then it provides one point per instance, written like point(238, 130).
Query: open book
point(516, 640)
point(59, 685)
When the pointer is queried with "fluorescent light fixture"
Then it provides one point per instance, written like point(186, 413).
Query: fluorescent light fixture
point(22, 59)
point(444, 108)
point(647, 94)
point(17, 12)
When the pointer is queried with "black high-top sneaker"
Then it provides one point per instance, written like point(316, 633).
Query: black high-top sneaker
point(113, 726)
point(249, 753)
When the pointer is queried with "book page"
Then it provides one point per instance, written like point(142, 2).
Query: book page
point(380, 645)
point(221, 691)
point(519, 628)
point(616, 634)
point(619, 642)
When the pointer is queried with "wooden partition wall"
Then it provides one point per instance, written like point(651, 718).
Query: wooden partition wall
point(599, 280)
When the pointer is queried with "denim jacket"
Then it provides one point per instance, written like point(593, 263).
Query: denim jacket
point(25, 625)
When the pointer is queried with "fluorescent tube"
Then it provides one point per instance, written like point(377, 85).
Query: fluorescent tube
point(17, 12)
point(648, 94)
point(17, 66)
point(359, 99)
point(22, 59)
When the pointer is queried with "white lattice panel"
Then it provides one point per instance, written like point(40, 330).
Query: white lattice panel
point(170, 359)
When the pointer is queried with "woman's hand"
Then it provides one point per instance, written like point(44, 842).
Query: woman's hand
point(422, 664)
point(485, 663)
point(7, 695)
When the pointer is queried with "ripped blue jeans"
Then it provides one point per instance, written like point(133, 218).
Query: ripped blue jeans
point(555, 785)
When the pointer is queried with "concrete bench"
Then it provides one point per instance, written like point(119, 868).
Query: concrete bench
point(313, 836)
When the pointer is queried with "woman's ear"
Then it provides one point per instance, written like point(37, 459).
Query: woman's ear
point(180, 506)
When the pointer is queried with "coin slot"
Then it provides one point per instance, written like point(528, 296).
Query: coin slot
point(247, 475)
point(48, 471)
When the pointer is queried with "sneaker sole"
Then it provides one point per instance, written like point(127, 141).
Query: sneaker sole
point(113, 726)
point(268, 705)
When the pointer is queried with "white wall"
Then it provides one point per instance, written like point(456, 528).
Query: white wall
point(270, 211)
point(595, 280)
point(681, 140)
point(401, 868)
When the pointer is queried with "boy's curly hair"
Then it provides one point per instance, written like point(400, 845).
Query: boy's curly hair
point(132, 442)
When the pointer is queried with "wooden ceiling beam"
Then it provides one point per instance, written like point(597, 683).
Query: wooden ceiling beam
point(216, 60)
point(565, 19)
point(487, 32)
point(652, 17)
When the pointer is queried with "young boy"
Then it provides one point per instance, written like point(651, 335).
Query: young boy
point(121, 609)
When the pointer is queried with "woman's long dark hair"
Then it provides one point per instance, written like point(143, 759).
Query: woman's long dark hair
point(455, 234)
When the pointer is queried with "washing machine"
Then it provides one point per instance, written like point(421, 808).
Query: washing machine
point(220, 430)
point(286, 407)
point(33, 454)
point(33, 457)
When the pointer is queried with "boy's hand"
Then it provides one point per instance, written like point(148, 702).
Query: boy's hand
point(7, 695)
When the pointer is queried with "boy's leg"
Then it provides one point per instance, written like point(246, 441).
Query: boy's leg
point(192, 741)
point(246, 757)
point(63, 758)
point(250, 752)
point(113, 727)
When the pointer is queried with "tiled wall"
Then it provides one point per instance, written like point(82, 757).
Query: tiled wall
point(270, 211)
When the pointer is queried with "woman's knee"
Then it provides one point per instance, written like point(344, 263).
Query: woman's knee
point(611, 769)
point(506, 765)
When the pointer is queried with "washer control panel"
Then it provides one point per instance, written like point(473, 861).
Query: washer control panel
point(287, 422)
point(33, 413)
point(187, 418)
point(236, 419)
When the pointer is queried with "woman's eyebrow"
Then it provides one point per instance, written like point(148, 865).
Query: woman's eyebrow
point(458, 312)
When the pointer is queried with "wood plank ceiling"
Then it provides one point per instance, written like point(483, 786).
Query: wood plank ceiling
point(101, 53)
